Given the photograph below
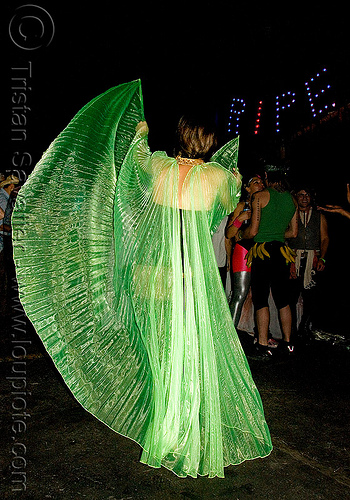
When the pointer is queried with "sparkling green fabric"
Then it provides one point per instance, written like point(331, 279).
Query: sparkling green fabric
point(118, 275)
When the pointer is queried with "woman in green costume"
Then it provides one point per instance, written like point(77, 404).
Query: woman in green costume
point(124, 291)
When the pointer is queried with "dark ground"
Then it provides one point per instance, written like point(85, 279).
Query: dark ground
point(65, 453)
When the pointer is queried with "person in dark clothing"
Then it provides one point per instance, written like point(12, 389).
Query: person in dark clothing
point(311, 246)
point(274, 219)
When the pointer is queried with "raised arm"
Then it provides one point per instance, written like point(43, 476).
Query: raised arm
point(336, 209)
point(258, 202)
point(142, 153)
point(235, 220)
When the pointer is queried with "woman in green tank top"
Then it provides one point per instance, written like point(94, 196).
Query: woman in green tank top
point(275, 216)
point(274, 219)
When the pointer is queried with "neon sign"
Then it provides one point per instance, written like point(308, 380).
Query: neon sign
point(316, 90)
point(283, 102)
point(289, 107)
point(258, 117)
point(236, 110)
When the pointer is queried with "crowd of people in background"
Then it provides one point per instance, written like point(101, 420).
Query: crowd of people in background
point(276, 243)
point(258, 261)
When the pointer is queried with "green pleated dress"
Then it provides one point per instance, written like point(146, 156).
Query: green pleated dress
point(117, 273)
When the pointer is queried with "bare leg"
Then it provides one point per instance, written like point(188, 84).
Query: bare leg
point(286, 322)
point(262, 322)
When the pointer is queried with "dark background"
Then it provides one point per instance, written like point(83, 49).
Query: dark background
point(203, 53)
point(192, 52)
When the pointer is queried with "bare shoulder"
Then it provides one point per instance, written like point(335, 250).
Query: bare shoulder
point(261, 197)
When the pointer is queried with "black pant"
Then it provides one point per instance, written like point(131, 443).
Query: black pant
point(270, 273)
point(310, 298)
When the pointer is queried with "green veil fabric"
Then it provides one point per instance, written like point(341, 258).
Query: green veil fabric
point(121, 284)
